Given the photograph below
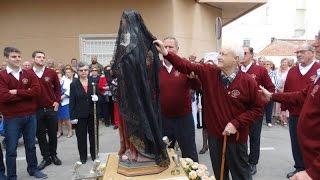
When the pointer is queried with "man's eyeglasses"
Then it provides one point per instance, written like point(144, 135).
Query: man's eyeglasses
point(83, 70)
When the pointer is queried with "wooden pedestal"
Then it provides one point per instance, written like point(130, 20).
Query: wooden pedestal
point(143, 173)
point(146, 169)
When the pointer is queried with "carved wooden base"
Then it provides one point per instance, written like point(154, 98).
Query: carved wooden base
point(113, 172)
point(139, 170)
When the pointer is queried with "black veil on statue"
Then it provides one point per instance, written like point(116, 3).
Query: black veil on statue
point(136, 66)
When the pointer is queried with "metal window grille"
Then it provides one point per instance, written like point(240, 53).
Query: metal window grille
point(246, 43)
point(101, 46)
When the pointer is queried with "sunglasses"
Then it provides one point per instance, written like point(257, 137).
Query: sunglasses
point(83, 70)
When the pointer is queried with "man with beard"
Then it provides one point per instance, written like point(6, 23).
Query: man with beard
point(95, 63)
point(48, 103)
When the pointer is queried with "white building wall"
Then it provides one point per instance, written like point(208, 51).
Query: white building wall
point(276, 19)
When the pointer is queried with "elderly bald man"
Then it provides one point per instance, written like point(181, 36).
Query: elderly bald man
point(50, 64)
point(27, 65)
point(232, 104)
point(3, 65)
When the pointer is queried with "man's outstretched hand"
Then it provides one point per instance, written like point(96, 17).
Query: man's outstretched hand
point(302, 175)
point(267, 95)
point(160, 47)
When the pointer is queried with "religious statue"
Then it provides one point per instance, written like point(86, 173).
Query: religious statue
point(136, 66)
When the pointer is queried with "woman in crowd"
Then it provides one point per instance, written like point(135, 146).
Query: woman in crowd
point(108, 75)
point(205, 145)
point(116, 111)
point(282, 73)
point(269, 108)
point(94, 74)
point(105, 93)
point(82, 100)
point(63, 113)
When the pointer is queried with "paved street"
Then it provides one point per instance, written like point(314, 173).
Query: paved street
point(275, 159)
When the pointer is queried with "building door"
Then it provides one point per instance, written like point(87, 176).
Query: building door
point(101, 46)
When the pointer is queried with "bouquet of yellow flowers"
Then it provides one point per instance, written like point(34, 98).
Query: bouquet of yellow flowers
point(194, 170)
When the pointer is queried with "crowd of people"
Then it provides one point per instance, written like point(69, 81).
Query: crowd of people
point(236, 110)
point(39, 97)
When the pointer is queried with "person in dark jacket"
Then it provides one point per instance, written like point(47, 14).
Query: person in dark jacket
point(81, 105)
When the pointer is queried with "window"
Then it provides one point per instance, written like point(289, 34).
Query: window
point(246, 43)
point(300, 19)
point(300, 22)
point(268, 17)
point(300, 4)
point(299, 32)
point(101, 46)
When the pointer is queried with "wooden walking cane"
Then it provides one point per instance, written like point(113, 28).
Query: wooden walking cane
point(96, 143)
point(223, 160)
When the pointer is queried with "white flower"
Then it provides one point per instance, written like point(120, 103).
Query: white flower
point(193, 175)
point(202, 167)
point(200, 172)
point(182, 160)
point(195, 166)
point(205, 178)
point(184, 164)
point(189, 161)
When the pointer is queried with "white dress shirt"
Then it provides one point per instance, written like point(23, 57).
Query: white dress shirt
point(304, 70)
point(169, 68)
point(66, 87)
point(16, 74)
point(318, 76)
point(39, 72)
point(245, 68)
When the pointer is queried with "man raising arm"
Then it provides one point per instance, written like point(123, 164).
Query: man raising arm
point(232, 104)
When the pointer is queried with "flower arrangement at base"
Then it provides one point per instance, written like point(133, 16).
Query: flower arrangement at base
point(102, 170)
point(194, 170)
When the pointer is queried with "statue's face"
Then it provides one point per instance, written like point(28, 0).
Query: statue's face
point(124, 25)
point(125, 35)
